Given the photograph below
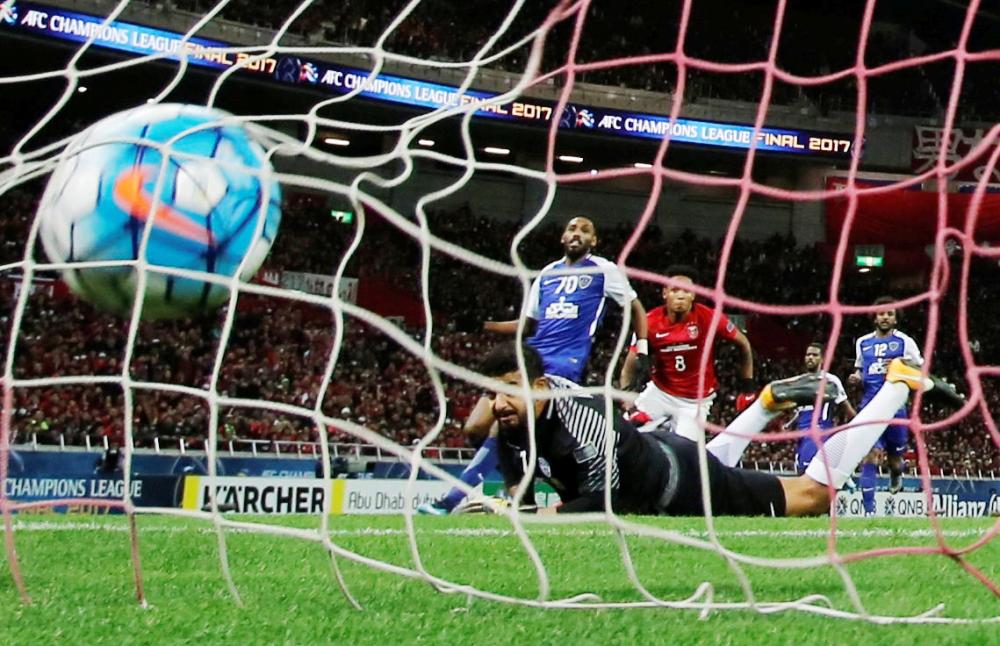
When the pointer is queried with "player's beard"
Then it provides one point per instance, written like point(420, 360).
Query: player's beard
point(510, 422)
point(574, 254)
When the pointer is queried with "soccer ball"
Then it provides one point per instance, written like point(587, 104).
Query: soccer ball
point(202, 186)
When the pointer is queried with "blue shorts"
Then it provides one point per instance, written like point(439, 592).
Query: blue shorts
point(804, 454)
point(896, 438)
point(567, 367)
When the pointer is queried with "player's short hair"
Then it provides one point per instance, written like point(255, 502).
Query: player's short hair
point(585, 217)
point(502, 359)
point(885, 300)
point(682, 270)
point(817, 345)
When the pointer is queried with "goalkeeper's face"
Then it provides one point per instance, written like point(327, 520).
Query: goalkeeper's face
point(511, 411)
point(578, 238)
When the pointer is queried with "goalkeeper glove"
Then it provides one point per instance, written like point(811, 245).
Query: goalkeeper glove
point(491, 505)
point(747, 396)
point(642, 368)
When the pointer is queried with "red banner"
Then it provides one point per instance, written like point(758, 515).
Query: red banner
point(902, 218)
point(926, 150)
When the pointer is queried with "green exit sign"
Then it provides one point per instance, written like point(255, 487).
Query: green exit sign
point(869, 255)
point(868, 261)
point(344, 217)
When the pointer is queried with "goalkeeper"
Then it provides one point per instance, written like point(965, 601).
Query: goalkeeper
point(658, 472)
point(565, 306)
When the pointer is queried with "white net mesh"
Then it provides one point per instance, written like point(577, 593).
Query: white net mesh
point(303, 145)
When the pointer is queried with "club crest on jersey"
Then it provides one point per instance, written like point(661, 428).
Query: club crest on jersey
point(585, 281)
point(693, 331)
point(562, 309)
point(894, 345)
point(544, 467)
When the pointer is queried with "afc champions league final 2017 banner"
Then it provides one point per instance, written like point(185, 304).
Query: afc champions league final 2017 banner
point(61, 24)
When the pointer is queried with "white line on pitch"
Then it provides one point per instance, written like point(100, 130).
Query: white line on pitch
point(48, 526)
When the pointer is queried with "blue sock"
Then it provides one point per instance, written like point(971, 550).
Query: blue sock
point(867, 482)
point(485, 460)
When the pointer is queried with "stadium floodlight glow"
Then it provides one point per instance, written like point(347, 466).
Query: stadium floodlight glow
point(593, 171)
point(642, 165)
point(495, 150)
point(572, 159)
point(426, 142)
point(81, 89)
point(337, 141)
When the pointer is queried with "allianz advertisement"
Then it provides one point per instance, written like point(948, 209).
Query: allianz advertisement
point(916, 504)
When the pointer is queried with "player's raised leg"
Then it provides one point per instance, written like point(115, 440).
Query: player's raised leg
point(840, 455)
point(776, 398)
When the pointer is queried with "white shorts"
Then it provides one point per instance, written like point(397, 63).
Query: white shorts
point(687, 416)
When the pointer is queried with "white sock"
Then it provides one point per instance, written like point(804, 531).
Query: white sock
point(729, 445)
point(845, 450)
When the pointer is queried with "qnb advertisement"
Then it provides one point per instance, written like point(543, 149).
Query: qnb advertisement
point(916, 504)
point(308, 496)
point(56, 23)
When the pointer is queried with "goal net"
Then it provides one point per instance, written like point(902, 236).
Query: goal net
point(395, 132)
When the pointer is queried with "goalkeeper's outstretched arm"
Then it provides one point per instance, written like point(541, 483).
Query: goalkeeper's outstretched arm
point(481, 423)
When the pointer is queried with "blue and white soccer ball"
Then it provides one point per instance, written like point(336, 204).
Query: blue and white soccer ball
point(214, 185)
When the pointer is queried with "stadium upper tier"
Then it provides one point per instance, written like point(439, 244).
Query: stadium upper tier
point(817, 39)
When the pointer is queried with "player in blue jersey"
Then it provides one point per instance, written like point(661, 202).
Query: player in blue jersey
point(839, 407)
point(873, 353)
point(565, 306)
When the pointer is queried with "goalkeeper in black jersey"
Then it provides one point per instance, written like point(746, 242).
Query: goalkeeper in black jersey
point(658, 472)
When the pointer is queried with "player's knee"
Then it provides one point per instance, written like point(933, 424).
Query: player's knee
point(805, 497)
point(817, 498)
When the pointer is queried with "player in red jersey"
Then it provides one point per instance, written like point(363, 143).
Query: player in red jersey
point(677, 334)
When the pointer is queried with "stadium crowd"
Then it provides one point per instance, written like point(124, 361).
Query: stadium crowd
point(818, 38)
point(279, 349)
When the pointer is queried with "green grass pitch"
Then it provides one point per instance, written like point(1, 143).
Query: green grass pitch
point(78, 573)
